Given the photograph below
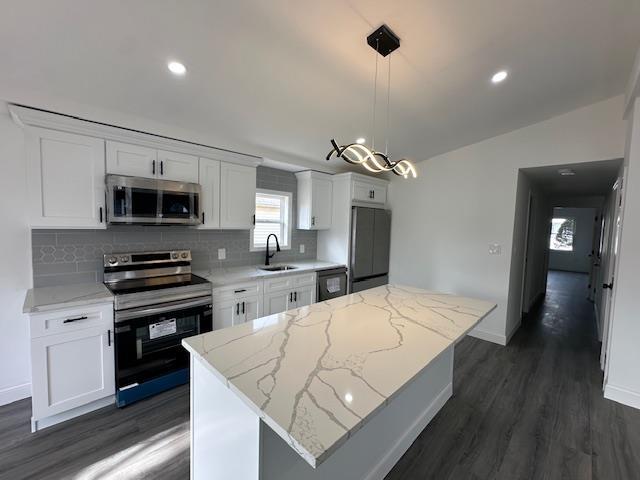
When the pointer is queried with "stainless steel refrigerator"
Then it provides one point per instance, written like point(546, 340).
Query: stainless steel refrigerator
point(370, 240)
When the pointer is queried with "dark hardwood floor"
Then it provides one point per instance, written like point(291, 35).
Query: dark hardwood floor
point(531, 410)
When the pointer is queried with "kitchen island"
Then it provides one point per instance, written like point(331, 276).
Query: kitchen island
point(336, 390)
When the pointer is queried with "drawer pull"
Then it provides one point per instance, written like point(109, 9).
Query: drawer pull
point(70, 320)
point(240, 291)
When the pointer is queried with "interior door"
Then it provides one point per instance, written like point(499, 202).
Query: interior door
point(362, 242)
point(609, 273)
point(381, 242)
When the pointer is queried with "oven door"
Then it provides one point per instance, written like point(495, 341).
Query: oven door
point(148, 339)
point(132, 200)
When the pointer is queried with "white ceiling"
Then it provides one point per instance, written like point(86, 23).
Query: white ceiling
point(287, 76)
point(591, 178)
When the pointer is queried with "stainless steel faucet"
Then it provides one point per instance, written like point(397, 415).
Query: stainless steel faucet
point(266, 262)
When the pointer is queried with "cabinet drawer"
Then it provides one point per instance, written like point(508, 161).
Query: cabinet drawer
point(289, 281)
point(239, 290)
point(69, 320)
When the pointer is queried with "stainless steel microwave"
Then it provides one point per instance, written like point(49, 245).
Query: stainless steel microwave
point(149, 201)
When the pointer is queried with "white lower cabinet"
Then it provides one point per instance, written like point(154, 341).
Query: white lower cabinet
point(72, 362)
point(235, 304)
point(277, 302)
point(290, 291)
point(304, 296)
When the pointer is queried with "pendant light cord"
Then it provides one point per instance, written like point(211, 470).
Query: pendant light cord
point(375, 98)
point(386, 143)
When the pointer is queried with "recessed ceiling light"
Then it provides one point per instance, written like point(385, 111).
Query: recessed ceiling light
point(361, 140)
point(177, 68)
point(499, 76)
point(566, 172)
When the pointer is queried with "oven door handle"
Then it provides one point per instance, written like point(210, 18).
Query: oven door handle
point(167, 307)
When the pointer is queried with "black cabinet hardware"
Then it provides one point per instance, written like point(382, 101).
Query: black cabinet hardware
point(153, 167)
point(161, 167)
point(608, 285)
point(109, 338)
point(76, 319)
point(295, 296)
point(243, 307)
point(100, 214)
point(237, 308)
point(290, 297)
point(313, 220)
point(202, 217)
point(254, 220)
point(240, 291)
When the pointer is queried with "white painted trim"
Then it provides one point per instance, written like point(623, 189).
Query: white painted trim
point(25, 116)
point(512, 332)
point(69, 414)
point(387, 462)
point(289, 226)
point(359, 176)
point(633, 87)
point(13, 394)
point(622, 395)
point(488, 336)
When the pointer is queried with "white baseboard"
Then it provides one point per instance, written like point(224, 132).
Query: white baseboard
point(41, 423)
point(488, 336)
point(622, 395)
point(13, 394)
point(513, 331)
point(388, 461)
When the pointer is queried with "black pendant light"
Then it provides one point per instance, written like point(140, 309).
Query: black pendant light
point(383, 41)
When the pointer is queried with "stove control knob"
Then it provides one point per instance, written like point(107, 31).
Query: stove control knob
point(113, 260)
point(124, 259)
point(174, 255)
point(185, 254)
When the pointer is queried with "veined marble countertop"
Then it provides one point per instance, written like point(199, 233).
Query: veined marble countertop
point(43, 299)
point(316, 374)
point(220, 277)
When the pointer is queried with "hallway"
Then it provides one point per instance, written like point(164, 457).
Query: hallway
point(533, 409)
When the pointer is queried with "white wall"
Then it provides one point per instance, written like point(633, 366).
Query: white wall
point(444, 221)
point(622, 382)
point(15, 274)
point(578, 259)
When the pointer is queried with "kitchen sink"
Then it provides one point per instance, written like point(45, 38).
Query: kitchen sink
point(278, 268)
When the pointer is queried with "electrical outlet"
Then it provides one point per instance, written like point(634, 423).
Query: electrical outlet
point(222, 253)
point(302, 248)
point(495, 249)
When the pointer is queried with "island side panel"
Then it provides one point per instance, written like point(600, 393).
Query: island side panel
point(225, 433)
point(372, 451)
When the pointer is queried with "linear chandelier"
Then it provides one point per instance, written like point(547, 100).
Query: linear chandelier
point(383, 41)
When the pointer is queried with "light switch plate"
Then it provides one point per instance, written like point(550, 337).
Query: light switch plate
point(495, 249)
point(302, 248)
point(222, 253)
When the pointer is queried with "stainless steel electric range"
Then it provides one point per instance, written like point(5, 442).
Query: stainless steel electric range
point(158, 302)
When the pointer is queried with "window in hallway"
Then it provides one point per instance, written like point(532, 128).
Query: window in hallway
point(562, 232)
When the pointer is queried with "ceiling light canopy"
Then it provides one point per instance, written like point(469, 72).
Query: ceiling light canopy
point(500, 76)
point(384, 42)
point(566, 172)
point(177, 68)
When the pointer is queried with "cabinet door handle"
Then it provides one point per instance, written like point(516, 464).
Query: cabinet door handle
point(254, 219)
point(161, 167)
point(76, 319)
point(203, 218)
point(373, 194)
point(243, 307)
point(153, 167)
point(100, 210)
point(109, 338)
point(295, 296)
point(237, 308)
point(290, 297)
point(313, 220)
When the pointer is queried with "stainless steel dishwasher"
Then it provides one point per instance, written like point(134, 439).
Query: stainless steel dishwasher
point(332, 283)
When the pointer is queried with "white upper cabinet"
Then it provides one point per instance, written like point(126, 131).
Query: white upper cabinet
point(315, 193)
point(177, 166)
point(139, 161)
point(133, 160)
point(237, 196)
point(369, 191)
point(209, 178)
point(66, 179)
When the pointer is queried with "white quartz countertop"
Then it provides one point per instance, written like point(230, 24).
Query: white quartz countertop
point(43, 299)
point(220, 277)
point(316, 374)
